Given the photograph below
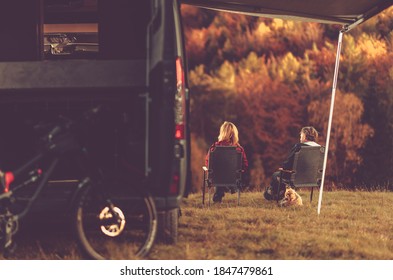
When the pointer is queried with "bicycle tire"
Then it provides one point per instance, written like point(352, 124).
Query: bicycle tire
point(99, 237)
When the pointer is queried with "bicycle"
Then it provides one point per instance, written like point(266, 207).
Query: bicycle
point(106, 219)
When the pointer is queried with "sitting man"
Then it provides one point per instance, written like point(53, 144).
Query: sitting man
point(308, 137)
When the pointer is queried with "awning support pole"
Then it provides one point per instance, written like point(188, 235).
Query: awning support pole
point(340, 38)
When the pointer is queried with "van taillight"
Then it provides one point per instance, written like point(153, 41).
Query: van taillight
point(179, 72)
point(174, 188)
point(180, 101)
point(179, 131)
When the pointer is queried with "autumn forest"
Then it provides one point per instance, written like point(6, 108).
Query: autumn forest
point(271, 77)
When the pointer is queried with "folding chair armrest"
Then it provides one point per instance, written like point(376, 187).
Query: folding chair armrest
point(206, 175)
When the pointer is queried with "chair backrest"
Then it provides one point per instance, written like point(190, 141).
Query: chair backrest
point(225, 166)
point(307, 166)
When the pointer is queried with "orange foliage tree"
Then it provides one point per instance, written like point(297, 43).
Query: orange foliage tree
point(348, 134)
point(270, 107)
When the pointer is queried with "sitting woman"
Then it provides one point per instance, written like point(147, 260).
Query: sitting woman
point(308, 137)
point(229, 136)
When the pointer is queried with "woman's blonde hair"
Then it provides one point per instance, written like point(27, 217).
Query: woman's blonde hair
point(229, 132)
point(310, 133)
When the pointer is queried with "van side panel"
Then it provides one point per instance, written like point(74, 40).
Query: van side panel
point(20, 30)
point(116, 39)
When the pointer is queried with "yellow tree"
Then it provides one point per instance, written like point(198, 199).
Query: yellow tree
point(213, 101)
point(348, 135)
point(269, 109)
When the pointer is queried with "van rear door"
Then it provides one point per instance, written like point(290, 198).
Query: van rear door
point(167, 155)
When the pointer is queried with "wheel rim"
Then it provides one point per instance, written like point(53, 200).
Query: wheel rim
point(129, 236)
point(113, 229)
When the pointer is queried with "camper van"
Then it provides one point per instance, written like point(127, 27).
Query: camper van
point(60, 57)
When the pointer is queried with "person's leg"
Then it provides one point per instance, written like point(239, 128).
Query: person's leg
point(281, 188)
point(218, 195)
point(271, 191)
point(268, 194)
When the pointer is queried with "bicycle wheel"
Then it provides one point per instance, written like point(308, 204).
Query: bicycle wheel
point(117, 225)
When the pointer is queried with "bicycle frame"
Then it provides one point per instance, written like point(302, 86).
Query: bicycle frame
point(29, 174)
point(9, 221)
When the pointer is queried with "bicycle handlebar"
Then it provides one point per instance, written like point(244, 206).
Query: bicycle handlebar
point(56, 130)
point(67, 123)
point(61, 127)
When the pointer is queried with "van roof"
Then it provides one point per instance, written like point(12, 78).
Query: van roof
point(346, 12)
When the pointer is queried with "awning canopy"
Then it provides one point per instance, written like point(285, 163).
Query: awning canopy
point(345, 12)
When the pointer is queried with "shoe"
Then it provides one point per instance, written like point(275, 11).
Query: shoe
point(271, 194)
point(217, 197)
point(268, 193)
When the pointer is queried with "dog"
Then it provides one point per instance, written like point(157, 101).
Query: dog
point(291, 198)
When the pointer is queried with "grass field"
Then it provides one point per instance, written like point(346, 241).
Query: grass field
point(352, 225)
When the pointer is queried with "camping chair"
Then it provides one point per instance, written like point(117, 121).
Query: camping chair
point(224, 171)
point(307, 169)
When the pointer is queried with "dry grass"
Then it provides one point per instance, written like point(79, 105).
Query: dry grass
point(352, 225)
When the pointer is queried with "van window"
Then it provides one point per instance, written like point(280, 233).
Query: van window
point(101, 29)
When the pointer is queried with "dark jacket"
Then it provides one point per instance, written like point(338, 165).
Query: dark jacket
point(288, 163)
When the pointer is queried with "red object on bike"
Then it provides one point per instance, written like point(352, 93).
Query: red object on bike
point(9, 178)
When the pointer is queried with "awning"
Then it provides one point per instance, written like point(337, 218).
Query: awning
point(344, 12)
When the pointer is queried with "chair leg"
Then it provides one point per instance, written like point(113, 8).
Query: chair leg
point(208, 196)
point(279, 186)
point(203, 194)
point(203, 188)
point(238, 197)
point(312, 189)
